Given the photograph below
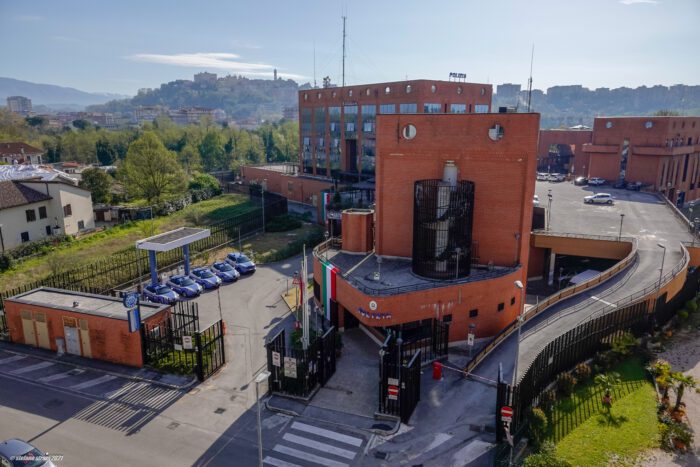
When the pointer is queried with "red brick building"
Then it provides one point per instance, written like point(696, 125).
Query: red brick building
point(661, 152)
point(92, 326)
point(561, 151)
point(451, 226)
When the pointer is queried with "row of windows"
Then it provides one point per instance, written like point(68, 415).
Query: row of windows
point(473, 313)
point(31, 214)
point(387, 91)
point(371, 110)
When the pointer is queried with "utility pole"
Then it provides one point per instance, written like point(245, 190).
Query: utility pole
point(529, 81)
point(344, 18)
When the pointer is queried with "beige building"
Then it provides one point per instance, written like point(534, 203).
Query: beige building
point(32, 210)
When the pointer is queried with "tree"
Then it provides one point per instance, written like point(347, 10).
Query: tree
point(105, 152)
point(212, 151)
point(607, 383)
point(682, 380)
point(98, 183)
point(151, 171)
point(81, 124)
point(202, 181)
point(36, 121)
point(190, 159)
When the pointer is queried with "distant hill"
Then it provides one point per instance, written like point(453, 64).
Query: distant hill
point(242, 98)
point(52, 96)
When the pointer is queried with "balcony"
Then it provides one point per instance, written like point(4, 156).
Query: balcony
point(395, 274)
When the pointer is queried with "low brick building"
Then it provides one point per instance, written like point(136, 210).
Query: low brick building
point(92, 326)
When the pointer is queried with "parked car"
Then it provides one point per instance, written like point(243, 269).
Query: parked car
point(535, 200)
point(542, 176)
point(596, 181)
point(160, 293)
point(204, 277)
point(581, 181)
point(12, 450)
point(184, 286)
point(241, 262)
point(225, 271)
point(599, 198)
point(620, 184)
point(634, 186)
point(557, 177)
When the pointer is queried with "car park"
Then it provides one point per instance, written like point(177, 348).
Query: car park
point(599, 198)
point(204, 277)
point(596, 181)
point(184, 286)
point(15, 453)
point(634, 186)
point(241, 262)
point(225, 271)
point(160, 293)
point(581, 181)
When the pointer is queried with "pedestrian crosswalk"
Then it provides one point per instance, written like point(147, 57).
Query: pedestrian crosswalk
point(306, 445)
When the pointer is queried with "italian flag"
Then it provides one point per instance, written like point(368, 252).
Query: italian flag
point(325, 201)
point(328, 287)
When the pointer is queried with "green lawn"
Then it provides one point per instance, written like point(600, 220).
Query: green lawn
point(114, 239)
point(587, 435)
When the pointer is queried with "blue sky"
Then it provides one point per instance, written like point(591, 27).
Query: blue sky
point(124, 45)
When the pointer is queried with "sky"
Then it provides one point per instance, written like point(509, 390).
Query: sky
point(121, 46)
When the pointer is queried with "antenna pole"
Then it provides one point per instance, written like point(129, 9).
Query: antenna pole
point(314, 63)
point(529, 81)
point(344, 17)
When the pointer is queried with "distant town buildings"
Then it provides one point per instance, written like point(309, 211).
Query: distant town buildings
point(291, 113)
point(19, 153)
point(19, 105)
point(205, 78)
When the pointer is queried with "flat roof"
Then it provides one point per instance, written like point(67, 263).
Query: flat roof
point(173, 239)
point(88, 304)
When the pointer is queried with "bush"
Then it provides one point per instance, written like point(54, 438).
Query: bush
point(201, 181)
point(282, 223)
point(547, 457)
point(538, 427)
point(582, 371)
point(547, 399)
point(683, 314)
point(603, 361)
point(566, 382)
point(691, 306)
point(5, 262)
point(623, 345)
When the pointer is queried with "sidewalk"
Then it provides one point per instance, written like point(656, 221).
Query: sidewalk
point(135, 374)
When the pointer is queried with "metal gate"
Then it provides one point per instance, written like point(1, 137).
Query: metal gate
point(210, 350)
point(399, 379)
point(297, 371)
point(4, 330)
point(429, 336)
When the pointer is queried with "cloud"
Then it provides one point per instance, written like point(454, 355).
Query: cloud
point(212, 60)
point(634, 2)
point(28, 18)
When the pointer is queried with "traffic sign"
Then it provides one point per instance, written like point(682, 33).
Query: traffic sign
point(506, 413)
point(470, 339)
point(393, 392)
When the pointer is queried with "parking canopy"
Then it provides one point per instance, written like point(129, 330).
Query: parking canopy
point(583, 276)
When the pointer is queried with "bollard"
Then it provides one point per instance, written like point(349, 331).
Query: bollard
point(437, 370)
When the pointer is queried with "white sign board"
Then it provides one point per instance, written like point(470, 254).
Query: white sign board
point(187, 342)
point(393, 381)
point(290, 367)
point(470, 339)
point(276, 358)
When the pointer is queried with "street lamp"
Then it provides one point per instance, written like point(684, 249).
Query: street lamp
point(549, 208)
point(261, 378)
point(520, 286)
point(622, 217)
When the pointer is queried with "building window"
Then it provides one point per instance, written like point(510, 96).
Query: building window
point(408, 89)
point(473, 313)
point(459, 89)
point(408, 108)
point(368, 91)
point(483, 91)
point(306, 97)
point(447, 319)
point(368, 127)
point(42, 212)
point(481, 109)
point(333, 94)
point(458, 108)
point(48, 230)
point(319, 95)
point(409, 132)
point(24, 236)
point(350, 93)
point(433, 89)
point(67, 210)
point(368, 110)
point(431, 108)
point(350, 127)
point(501, 306)
point(387, 108)
point(31, 215)
point(387, 90)
point(81, 225)
point(512, 300)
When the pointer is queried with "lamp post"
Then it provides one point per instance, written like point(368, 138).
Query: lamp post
point(619, 237)
point(549, 208)
point(520, 286)
point(661, 272)
point(261, 378)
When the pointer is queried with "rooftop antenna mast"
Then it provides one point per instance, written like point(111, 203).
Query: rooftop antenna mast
point(344, 18)
point(314, 64)
point(529, 81)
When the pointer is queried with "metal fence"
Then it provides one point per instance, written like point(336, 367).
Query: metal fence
point(430, 339)
point(399, 380)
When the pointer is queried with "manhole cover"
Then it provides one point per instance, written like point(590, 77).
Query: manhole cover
point(173, 425)
point(381, 426)
point(53, 403)
point(220, 410)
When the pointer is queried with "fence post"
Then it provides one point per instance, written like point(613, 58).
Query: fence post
point(200, 360)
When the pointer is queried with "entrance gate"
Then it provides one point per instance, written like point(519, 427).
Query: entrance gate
point(399, 379)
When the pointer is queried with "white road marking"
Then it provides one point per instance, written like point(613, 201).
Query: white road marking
point(48, 379)
point(319, 446)
point(14, 358)
point(327, 434)
point(603, 301)
point(27, 369)
point(278, 462)
point(130, 387)
point(92, 382)
point(308, 457)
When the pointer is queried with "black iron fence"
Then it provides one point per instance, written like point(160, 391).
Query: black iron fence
point(297, 371)
point(582, 343)
point(399, 379)
point(429, 337)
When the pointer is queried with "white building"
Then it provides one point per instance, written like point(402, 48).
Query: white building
point(19, 153)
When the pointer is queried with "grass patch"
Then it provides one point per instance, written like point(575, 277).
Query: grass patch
point(589, 436)
point(121, 237)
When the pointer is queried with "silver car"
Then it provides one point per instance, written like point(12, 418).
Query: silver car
point(599, 198)
point(16, 453)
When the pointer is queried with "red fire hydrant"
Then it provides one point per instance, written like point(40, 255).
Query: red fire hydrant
point(437, 371)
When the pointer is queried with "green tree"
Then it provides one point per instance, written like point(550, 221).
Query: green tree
point(202, 181)
point(212, 151)
point(682, 381)
point(81, 124)
point(98, 183)
point(150, 171)
point(190, 159)
point(607, 383)
point(36, 121)
point(104, 152)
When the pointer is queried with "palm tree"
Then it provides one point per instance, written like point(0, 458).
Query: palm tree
point(683, 381)
point(607, 382)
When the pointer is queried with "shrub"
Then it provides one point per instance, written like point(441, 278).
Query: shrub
point(5, 262)
point(566, 382)
point(691, 306)
point(674, 432)
point(282, 223)
point(202, 181)
point(623, 344)
point(547, 457)
point(547, 399)
point(683, 314)
point(604, 360)
point(582, 371)
point(538, 427)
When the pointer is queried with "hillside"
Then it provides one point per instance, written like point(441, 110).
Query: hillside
point(240, 97)
point(52, 96)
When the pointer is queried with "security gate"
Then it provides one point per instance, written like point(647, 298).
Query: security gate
point(399, 379)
